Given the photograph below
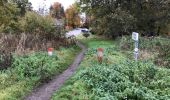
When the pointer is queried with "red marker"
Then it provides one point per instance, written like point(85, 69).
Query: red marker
point(50, 51)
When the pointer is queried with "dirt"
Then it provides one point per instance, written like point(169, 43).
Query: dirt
point(45, 91)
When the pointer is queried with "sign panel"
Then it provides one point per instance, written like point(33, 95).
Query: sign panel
point(135, 36)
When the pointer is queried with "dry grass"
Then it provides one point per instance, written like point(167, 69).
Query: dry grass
point(24, 44)
point(146, 55)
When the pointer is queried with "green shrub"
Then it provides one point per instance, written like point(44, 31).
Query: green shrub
point(28, 71)
point(129, 80)
point(34, 23)
point(38, 65)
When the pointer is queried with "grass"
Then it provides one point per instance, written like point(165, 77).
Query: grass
point(155, 49)
point(15, 83)
point(119, 77)
point(74, 89)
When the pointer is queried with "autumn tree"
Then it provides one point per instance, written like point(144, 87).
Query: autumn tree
point(72, 16)
point(57, 10)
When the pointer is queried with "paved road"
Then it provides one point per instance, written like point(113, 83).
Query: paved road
point(75, 32)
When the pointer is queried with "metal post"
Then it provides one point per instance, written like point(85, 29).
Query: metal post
point(135, 37)
point(136, 51)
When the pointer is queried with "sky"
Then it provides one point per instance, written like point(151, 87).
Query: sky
point(39, 3)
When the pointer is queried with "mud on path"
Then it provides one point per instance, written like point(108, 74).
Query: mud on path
point(45, 91)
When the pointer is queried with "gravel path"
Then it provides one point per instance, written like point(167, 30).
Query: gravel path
point(45, 91)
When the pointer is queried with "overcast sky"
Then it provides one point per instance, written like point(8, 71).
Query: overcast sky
point(39, 3)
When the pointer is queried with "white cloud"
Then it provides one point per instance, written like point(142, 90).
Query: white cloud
point(39, 3)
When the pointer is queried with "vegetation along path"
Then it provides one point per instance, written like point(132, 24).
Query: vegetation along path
point(45, 91)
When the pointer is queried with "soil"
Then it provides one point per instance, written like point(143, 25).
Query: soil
point(45, 91)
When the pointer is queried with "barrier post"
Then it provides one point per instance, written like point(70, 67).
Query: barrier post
point(100, 55)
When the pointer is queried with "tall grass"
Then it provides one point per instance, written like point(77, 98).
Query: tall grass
point(157, 46)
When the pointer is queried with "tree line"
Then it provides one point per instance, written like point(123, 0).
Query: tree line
point(18, 16)
point(118, 17)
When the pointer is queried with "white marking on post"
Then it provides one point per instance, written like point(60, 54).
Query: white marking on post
point(135, 37)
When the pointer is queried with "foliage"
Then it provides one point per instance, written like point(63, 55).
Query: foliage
point(129, 80)
point(72, 16)
point(30, 70)
point(117, 78)
point(8, 17)
point(15, 18)
point(35, 65)
point(22, 5)
point(34, 23)
point(124, 16)
point(159, 47)
point(57, 10)
point(10, 13)
point(164, 55)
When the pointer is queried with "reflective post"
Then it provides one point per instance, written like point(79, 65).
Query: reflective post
point(136, 51)
point(135, 37)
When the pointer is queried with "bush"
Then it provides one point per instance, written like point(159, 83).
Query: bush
point(31, 70)
point(86, 35)
point(129, 80)
point(34, 23)
point(38, 65)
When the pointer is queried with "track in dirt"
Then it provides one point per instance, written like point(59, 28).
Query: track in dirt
point(45, 91)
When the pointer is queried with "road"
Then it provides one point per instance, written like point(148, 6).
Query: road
point(75, 32)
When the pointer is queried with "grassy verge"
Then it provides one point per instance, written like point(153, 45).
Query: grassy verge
point(29, 71)
point(117, 78)
point(155, 49)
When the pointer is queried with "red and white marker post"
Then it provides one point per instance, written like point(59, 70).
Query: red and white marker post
point(50, 51)
point(100, 55)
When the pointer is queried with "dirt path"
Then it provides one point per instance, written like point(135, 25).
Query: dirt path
point(45, 91)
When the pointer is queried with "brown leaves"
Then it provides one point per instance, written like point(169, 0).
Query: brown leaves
point(72, 16)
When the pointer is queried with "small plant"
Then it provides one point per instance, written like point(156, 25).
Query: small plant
point(129, 80)
point(35, 65)
point(86, 35)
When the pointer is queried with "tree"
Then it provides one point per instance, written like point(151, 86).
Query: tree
point(23, 6)
point(8, 16)
point(72, 16)
point(142, 15)
point(57, 10)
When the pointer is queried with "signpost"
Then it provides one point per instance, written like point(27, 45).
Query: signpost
point(135, 37)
